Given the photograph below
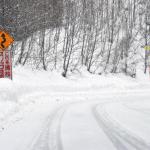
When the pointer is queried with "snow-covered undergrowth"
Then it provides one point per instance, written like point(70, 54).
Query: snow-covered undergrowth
point(26, 84)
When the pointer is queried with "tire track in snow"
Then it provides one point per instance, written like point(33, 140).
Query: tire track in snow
point(55, 142)
point(50, 136)
point(120, 137)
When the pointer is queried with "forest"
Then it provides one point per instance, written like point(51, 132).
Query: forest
point(103, 36)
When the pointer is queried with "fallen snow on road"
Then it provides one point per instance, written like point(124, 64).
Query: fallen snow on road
point(43, 111)
point(133, 116)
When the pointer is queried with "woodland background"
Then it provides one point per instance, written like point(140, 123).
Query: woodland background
point(103, 36)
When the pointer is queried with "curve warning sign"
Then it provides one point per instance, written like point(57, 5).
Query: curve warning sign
point(5, 40)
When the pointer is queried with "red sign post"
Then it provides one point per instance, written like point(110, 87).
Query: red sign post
point(5, 55)
point(5, 64)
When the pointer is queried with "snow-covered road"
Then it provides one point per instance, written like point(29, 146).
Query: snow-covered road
point(114, 127)
point(101, 122)
point(118, 131)
point(80, 130)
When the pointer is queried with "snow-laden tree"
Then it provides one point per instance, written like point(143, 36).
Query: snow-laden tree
point(105, 36)
point(24, 17)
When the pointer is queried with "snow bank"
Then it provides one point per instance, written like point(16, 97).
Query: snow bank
point(26, 81)
point(28, 84)
point(8, 100)
point(29, 81)
point(7, 90)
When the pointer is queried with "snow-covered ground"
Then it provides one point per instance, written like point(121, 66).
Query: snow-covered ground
point(43, 111)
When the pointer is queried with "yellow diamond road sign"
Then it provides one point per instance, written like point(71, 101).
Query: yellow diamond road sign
point(5, 40)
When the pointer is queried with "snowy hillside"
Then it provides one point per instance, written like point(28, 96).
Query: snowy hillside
point(87, 35)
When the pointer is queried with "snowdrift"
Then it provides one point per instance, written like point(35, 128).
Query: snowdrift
point(26, 83)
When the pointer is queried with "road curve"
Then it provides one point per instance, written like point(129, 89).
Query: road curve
point(121, 137)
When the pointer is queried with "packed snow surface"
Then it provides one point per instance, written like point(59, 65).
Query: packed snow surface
point(43, 111)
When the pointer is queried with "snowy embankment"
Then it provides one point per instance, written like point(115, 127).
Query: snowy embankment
point(28, 86)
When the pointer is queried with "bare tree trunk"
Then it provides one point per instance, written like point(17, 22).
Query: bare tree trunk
point(23, 45)
point(43, 49)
